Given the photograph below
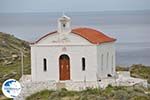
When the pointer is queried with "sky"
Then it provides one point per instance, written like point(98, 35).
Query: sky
point(21, 6)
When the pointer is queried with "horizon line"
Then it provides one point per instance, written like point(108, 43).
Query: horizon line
point(74, 11)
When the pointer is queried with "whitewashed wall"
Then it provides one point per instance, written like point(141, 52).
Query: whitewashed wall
point(106, 64)
point(52, 54)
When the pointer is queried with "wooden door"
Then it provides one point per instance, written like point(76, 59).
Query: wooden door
point(64, 67)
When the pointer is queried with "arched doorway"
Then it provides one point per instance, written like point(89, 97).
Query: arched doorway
point(64, 67)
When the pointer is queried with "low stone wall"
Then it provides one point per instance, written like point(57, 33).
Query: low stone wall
point(29, 87)
point(124, 79)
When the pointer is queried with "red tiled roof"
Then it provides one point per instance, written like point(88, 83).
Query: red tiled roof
point(93, 36)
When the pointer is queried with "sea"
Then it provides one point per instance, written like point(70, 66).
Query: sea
point(130, 28)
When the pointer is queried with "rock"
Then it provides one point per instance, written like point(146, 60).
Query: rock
point(14, 56)
point(7, 76)
point(6, 62)
point(9, 63)
point(4, 42)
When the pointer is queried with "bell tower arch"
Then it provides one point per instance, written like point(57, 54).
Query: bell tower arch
point(64, 25)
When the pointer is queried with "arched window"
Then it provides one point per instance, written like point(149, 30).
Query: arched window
point(102, 61)
point(44, 64)
point(107, 59)
point(83, 64)
point(112, 61)
point(64, 25)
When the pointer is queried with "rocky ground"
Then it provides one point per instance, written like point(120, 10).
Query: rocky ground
point(123, 79)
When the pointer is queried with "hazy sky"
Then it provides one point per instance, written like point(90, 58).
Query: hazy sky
point(71, 5)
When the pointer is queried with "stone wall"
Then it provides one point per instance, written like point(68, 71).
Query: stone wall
point(30, 87)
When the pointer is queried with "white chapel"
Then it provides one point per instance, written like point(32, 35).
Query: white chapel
point(80, 54)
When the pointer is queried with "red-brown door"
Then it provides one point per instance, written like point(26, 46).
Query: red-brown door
point(64, 67)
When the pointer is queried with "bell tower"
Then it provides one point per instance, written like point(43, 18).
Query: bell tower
point(64, 25)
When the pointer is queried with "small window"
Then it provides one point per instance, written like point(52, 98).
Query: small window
point(64, 25)
point(83, 64)
point(102, 60)
point(112, 62)
point(45, 64)
point(107, 59)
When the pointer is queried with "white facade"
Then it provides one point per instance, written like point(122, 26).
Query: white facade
point(99, 58)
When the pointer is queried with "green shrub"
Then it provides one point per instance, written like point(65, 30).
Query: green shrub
point(148, 80)
point(140, 98)
point(140, 71)
point(139, 89)
point(92, 91)
point(43, 95)
point(120, 95)
point(110, 93)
